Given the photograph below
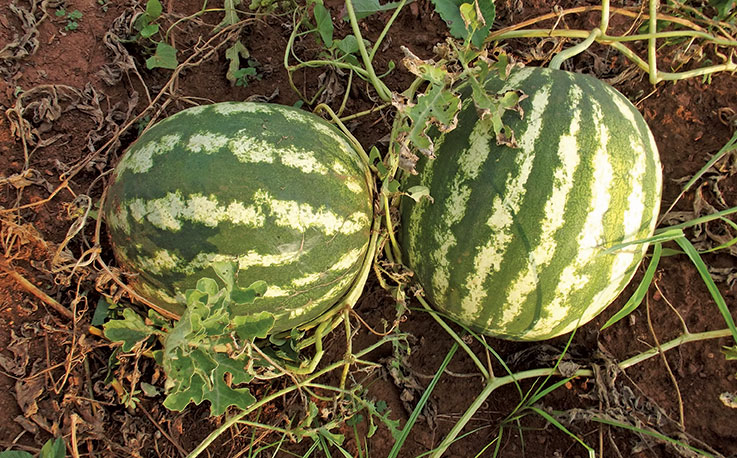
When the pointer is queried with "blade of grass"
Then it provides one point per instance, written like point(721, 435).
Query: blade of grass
point(558, 425)
point(421, 403)
point(636, 299)
point(700, 220)
point(665, 235)
point(454, 335)
point(709, 282)
point(659, 436)
point(725, 244)
point(730, 146)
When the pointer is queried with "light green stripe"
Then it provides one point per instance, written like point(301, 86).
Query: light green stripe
point(168, 213)
point(569, 157)
point(470, 163)
point(140, 158)
point(206, 142)
point(590, 240)
point(302, 216)
point(249, 149)
point(416, 219)
point(489, 258)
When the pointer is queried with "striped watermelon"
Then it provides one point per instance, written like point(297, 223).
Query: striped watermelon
point(277, 190)
point(514, 243)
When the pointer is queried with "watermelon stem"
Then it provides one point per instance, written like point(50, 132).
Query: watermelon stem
point(383, 91)
point(616, 42)
point(558, 60)
point(487, 375)
point(308, 382)
point(498, 382)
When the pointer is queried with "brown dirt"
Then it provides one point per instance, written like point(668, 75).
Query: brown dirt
point(53, 379)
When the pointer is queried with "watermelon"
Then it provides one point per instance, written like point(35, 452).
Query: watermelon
point(276, 190)
point(515, 242)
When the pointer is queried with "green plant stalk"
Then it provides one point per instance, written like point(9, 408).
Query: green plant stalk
point(616, 43)
point(385, 30)
point(307, 382)
point(455, 337)
point(559, 58)
point(690, 250)
point(348, 348)
point(662, 437)
point(421, 403)
point(381, 89)
point(354, 141)
point(608, 39)
point(652, 53)
point(604, 25)
point(700, 220)
point(389, 227)
point(495, 383)
point(345, 95)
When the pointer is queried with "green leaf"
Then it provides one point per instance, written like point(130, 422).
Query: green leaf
point(355, 420)
point(724, 7)
point(149, 30)
point(248, 295)
point(324, 24)
point(154, 8)
point(74, 15)
point(636, 299)
point(130, 330)
point(15, 454)
point(416, 193)
point(165, 57)
point(251, 327)
point(201, 376)
point(234, 54)
point(450, 12)
point(730, 352)
point(59, 13)
point(392, 186)
point(231, 15)
point(347, 45)
point(226, 271)
point(691, 252)
point(149, 390)
point(53, 448)
point(208, 286)
point(439, 107)
point(101, 311)
point(365, 8)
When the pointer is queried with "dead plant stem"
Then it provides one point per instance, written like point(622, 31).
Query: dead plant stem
point(681, 415)
point(33, 289)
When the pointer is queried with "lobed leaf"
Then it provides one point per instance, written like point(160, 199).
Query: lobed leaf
point(130, 330)
point(450, 12)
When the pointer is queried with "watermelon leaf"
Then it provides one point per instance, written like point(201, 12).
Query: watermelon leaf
point(417, 192)
point(248, 295)
point(231, 15)
point(450, 12)
point(437, 107)
point(365, 8)
point(253, 327)
point(234, 54)
point(130, 330)
point(165, 57)
point(324, 24)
